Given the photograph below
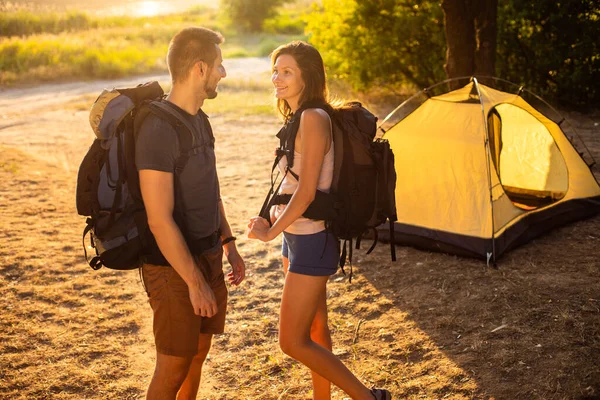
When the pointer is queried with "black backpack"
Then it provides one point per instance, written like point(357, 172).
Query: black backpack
point(362, 195)
point(108, 190)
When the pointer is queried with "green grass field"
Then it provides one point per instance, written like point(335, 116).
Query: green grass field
point(48, 46)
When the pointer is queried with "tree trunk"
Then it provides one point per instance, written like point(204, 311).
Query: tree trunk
point(460, 39)
point(485, 28)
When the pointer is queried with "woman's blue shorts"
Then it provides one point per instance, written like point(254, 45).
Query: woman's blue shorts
point(317, 254)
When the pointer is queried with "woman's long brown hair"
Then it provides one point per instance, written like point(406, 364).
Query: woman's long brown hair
point(312, 72)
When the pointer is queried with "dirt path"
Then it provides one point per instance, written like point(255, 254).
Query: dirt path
point(51, 120)
point(30, 100)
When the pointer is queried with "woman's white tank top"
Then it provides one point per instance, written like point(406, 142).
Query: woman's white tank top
point(305, 226)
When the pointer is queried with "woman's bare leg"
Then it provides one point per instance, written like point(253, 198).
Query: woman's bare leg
point(320, 334)
point(299, 303)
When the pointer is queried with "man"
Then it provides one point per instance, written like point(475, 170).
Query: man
point(186, 216)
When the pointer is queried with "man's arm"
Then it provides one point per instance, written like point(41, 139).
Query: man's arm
point(158, 195)
point(238, 268)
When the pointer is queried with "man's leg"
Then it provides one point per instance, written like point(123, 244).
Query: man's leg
point(175, 327)
point(169, 374)
point(210, 261)
point(189, 388)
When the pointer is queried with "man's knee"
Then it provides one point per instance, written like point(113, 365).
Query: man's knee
point(171, 371)
point(204, 344)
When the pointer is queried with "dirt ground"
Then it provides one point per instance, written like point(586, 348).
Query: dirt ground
point(429, 326)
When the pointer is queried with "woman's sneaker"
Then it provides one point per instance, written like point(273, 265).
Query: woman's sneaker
point(381, 394)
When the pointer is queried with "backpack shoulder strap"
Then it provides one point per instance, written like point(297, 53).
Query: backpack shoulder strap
point(287, 134)
point(176, 117)
point(287, 139)
point(184, 130)
point(187, 145)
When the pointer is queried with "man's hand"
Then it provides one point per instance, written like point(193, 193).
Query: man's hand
point(238, 267)
point(203, 300)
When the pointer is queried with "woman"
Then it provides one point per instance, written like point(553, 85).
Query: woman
point(310, 253)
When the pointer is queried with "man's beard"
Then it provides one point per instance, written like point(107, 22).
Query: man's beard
point(211, 92)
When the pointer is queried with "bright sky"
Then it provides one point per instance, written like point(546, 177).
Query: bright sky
point(153, 7)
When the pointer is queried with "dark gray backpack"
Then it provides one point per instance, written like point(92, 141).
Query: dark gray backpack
point(108, 190)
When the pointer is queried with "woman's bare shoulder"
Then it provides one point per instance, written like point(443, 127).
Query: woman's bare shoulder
point(316, 113)
point(314, 124)
point(315, 118)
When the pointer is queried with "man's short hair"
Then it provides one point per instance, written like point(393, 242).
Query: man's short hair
point(190, 46)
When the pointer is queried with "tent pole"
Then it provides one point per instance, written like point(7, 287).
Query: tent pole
point(486, 143)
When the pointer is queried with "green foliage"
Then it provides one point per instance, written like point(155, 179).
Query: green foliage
point(552, 48)
point(290, 21)
point(22, 23)
point(98, 54)
point(387, 43)
point(110, 52)
point(25, 23)
point(255, 45)
point(249, 15)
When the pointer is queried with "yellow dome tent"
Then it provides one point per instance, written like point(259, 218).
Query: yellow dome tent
point(481, 170)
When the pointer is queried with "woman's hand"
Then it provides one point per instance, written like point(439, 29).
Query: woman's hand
point(259, 228)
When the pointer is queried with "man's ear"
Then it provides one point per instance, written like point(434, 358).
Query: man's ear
point(202, 68)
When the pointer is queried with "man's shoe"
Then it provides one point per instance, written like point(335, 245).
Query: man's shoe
point(381, 394)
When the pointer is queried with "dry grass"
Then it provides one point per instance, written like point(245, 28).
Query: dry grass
point(430, 326)
point(64, 330)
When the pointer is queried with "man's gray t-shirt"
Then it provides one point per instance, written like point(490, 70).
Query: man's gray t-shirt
point(157, 148)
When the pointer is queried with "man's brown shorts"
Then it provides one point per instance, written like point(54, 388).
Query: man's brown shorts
point(176, 327)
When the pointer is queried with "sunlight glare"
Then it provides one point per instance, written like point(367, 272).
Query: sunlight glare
point(149, 8)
